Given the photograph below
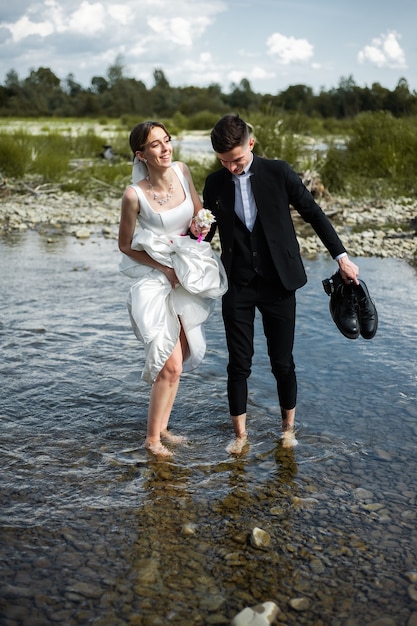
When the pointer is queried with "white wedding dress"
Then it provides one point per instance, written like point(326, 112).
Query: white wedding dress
point(157, 311)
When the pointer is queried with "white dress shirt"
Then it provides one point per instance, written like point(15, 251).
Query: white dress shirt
point(245, 206)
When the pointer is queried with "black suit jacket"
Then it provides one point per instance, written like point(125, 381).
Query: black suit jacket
point(275, 187)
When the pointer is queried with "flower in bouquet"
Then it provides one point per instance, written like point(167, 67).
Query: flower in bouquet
point(203, 219)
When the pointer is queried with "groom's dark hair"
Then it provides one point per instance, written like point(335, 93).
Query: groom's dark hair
point(229, 133)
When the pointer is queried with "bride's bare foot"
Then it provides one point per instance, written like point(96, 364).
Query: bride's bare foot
point(173, 438)
point(237, 445)
point(158, 449)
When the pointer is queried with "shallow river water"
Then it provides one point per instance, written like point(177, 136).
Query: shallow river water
point(95, 531)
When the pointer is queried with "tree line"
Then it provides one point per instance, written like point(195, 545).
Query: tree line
point(42, 93)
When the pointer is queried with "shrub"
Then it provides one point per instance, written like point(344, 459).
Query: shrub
point(87, 144)
point(378, 158)
point(13, 155)
point(334, 170)
point(51, 157)
point(204, 120)
point(274, 141)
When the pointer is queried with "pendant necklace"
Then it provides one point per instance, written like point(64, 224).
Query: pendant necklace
point(155, 195)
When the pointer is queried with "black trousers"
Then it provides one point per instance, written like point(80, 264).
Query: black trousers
point(278, 317)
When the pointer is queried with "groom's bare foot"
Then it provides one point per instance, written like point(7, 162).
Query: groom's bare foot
point(237, 445)
point(288, 436)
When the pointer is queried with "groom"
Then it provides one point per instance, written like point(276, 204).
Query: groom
point(250, 198)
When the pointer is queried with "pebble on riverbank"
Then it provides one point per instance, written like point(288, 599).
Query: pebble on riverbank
point(382, 229)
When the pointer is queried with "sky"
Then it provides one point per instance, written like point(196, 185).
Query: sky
point(271, 43)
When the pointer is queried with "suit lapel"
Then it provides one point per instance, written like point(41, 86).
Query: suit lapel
point(255, 179)
point(226, 200)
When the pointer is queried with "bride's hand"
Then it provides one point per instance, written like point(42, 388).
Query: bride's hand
point(172, 277)
point(198, 230)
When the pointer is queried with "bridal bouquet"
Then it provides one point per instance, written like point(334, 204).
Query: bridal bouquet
point(204, 219)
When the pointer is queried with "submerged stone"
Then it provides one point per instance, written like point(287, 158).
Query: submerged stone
point(259, 615)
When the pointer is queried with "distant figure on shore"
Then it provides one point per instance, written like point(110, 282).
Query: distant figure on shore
point(177, 278)
point(107, 153)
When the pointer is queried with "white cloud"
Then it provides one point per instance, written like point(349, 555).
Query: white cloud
point(260, 73)
point(246, 54)
point(287, 50)
point(25, 27)
point(236, 76)
point(179, 30)
point(88, 19)
point(206, 59)
point(201, 63)
point(83, 36)
point(254, 73)
point(384, 51)
point(120, 13)
point(198, 69)
point(91, 18)
point(137, 50)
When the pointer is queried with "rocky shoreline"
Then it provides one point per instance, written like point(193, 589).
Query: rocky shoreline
point(383, 228)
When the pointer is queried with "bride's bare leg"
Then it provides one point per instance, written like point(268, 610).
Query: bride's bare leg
point(165, 433)
point(163, 394)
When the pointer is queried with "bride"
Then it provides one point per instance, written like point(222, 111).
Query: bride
point(177, 277)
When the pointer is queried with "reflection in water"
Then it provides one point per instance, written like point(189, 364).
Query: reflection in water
point(92, 528)
point(195, 551)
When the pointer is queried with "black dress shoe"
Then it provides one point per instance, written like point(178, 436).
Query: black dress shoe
point(367, 313)
point(344, 311)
